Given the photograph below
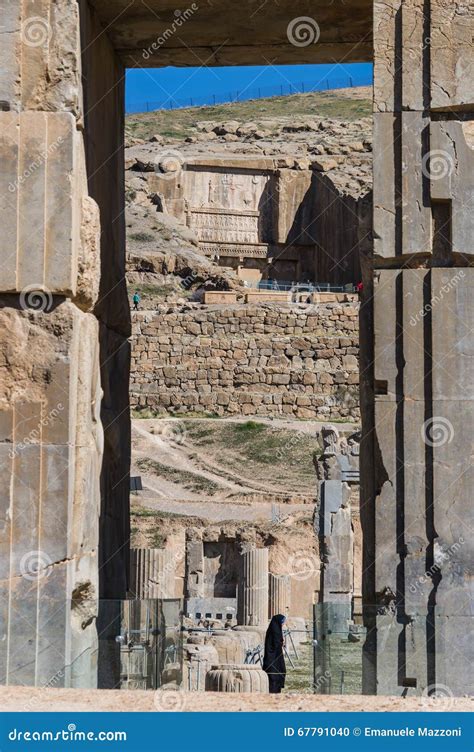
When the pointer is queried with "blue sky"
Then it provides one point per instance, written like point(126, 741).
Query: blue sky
point(159, 86)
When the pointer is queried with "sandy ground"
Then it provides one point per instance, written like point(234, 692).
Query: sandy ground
point(28, 699)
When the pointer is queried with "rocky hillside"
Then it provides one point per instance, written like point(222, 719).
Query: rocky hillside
point(328, 132)
point(345, 104)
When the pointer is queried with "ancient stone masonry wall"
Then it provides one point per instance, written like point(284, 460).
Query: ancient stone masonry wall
point(248, 360)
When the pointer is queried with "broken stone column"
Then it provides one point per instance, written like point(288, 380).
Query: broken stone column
point(337, 470)
point(152, 573)
point(253, 587)
point(236, 678)
point(199, 656)
point(194, 572)
point(418, 589)
point(279, 594)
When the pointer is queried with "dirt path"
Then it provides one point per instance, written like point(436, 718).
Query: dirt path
point(173, 450)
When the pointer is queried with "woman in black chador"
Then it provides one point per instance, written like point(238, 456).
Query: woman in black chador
point(273, 660)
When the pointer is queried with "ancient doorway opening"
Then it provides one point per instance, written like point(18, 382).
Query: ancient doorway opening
point(248, 226)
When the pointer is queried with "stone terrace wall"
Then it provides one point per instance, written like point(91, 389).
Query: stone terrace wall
point(267, 359)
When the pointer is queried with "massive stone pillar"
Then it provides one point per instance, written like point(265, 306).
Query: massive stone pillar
point(152, 573)
point(53, 361)
point(253, 588)
point(51, 442)
point(420, 566)
point(279, 594)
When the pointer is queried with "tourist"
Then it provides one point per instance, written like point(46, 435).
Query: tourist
point(273, 660)
point(136, 300)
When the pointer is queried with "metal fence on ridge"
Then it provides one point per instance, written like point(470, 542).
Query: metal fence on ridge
point(243, 95)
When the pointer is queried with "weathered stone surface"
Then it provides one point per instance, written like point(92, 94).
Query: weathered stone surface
point(423, 418)
point(248, 35)
point(40, 56)
point(451, 169)
point(452, 54)
point(423, 58)
point(402, 216)
point(50, 226)
point(52, 448)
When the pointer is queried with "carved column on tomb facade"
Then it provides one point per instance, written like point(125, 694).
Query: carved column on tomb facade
point(418, 590)
point(253, 587)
